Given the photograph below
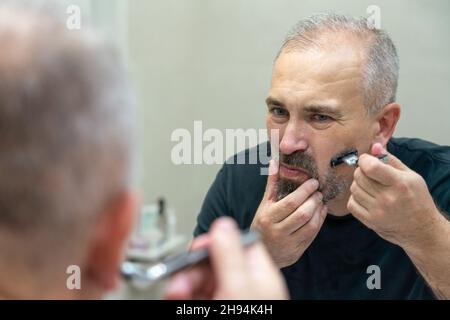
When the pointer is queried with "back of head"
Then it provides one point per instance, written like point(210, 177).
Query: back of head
point(65, 125)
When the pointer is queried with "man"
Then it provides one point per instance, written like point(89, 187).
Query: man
point(65, 145)
point(377, 231)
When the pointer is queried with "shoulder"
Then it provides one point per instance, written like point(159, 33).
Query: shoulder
point(406, 147)
point(430, 160)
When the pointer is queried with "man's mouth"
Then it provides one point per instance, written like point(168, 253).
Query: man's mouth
point(295, 173)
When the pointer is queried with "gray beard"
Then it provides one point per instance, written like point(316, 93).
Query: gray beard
point(331, 187)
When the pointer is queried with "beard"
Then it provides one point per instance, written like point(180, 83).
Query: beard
point(331, 185)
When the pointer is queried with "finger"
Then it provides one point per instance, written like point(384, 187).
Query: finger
point(358, 211)
point(302, 215)
point(375, 169)
point(272, 181)
point(308, 232)
point(324, 213)
point(361, 196)
point(203, 281)
point(378, 149)
point(226, 253)
point(178, 288)
point(201, 241)
point(292, 201)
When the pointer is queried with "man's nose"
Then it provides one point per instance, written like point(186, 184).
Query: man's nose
point(293, 139)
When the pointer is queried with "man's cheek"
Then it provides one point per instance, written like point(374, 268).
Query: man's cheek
point(275, 134)
point(322, 169)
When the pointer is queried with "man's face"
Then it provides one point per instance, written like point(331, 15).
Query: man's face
point(316, 103)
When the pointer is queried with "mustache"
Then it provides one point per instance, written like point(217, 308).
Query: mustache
point(301, 160)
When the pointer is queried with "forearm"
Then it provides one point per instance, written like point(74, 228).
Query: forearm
point(432, 257)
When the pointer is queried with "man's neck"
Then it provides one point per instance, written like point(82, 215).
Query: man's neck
point(338, 206)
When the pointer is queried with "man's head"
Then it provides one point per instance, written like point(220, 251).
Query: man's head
point(65, 130)
point(333, 89)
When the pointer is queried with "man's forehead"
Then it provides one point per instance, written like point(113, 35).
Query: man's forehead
point(326, 65)
point(317, 78)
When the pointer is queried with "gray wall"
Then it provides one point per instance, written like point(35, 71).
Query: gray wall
point(211, 60)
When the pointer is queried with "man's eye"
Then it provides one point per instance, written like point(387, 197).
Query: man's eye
point(321, 118)
point(278, 112)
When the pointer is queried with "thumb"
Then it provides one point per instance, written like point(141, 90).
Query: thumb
point(227, 255)
point(272, 180)
point(199, 242)
point(378, 149)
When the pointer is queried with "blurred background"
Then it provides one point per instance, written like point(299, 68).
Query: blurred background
point(211, 60)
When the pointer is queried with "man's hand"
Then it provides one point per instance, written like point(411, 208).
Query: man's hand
point(233, 272)
point(392, 200)
point(290, 225)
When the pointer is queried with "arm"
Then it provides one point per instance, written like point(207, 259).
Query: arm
point(233, 272)
point(289, 226)
point(432, 257)
point(394, 201)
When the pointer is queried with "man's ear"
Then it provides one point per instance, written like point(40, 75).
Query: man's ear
point(107, 247)
point(387, 120)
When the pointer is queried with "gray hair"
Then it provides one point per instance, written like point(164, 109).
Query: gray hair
point(380, 73)
point(66, 118)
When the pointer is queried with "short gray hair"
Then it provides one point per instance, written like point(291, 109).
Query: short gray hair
point(380, 73)
point(66, 117)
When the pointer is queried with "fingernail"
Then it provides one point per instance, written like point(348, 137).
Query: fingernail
point(178, 283)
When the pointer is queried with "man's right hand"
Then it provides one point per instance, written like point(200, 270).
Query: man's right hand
point(289, 226)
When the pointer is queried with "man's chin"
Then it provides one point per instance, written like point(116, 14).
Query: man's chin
point(294, 175)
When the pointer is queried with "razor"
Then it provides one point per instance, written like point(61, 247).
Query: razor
point(350, 158)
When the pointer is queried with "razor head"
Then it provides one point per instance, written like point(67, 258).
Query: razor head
point(349, 157)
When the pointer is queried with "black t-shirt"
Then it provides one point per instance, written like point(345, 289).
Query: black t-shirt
point(335, 266)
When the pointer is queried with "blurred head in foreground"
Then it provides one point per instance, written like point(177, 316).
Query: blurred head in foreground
point(65, 139)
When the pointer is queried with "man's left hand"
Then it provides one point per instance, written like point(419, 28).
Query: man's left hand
point(392, 200)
